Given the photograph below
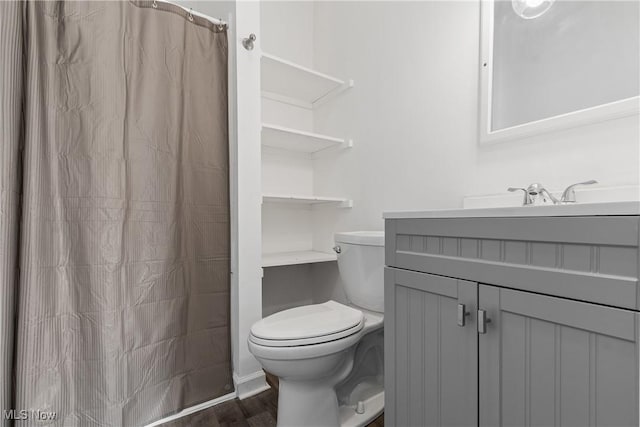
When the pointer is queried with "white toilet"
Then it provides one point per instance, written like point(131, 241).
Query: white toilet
point(328, 357)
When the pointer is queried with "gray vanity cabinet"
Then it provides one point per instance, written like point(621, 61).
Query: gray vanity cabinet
point(433, 378)
point(547, 361)
point(560, 347)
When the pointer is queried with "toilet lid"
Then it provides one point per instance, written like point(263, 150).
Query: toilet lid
point(309, 323)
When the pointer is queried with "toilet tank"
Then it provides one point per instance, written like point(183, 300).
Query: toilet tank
point(361, 266)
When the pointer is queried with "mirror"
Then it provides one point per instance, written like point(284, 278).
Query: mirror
point(547, 65)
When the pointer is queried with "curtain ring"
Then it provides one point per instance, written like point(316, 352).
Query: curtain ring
point(190, 16)
point(155, 4)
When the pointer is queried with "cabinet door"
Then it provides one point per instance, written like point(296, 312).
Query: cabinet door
point(430, 361)
point(547, 361)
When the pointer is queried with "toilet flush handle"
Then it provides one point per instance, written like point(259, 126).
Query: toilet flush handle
point(337, 249)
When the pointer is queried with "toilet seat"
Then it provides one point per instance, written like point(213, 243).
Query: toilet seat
point(307, 325)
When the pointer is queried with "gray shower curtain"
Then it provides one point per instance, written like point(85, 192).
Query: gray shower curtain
point(114, 211)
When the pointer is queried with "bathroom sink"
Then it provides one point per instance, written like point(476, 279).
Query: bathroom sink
point(574, 209)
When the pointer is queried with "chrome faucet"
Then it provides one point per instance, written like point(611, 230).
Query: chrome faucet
point(532, 192)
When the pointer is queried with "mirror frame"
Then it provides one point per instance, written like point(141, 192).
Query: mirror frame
point(599, 113)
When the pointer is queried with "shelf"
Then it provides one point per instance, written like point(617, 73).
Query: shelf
point(286, 81)
point(297, 140)
point(294, 258)
point(306, 200)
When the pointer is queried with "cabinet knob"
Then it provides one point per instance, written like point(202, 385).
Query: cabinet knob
point(462, 313)
point(482, 321)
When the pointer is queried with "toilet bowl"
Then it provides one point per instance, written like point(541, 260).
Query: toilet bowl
point(319, 351)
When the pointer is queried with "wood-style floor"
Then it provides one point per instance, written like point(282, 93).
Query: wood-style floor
point(260, 410)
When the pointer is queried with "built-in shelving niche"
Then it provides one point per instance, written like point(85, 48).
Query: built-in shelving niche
point(296, 257)
point(299, 86)
point(285, 138)
point(285, 81)
point(307, 200)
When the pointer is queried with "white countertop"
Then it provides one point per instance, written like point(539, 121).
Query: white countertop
point(577, 209)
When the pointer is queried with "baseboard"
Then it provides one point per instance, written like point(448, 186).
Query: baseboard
point(246, 386)
point(250, 385)
point(192, 409)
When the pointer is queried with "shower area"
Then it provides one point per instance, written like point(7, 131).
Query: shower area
point(115, 212)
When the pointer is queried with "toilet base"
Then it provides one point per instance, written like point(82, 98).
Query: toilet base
point(373, 407)
point(315, 403)
point(318, 406)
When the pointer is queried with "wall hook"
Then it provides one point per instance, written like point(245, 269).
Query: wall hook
point(247, 42)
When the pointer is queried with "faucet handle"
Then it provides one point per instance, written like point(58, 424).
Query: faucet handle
point(569, 194)
point(527, 197)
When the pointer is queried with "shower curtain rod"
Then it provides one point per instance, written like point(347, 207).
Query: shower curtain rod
point(216, 21)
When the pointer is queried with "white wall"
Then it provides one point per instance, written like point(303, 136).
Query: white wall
point(287, 30)
point(286, 287)
point(220, 9)
point(608, 152)
point(412, 112)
